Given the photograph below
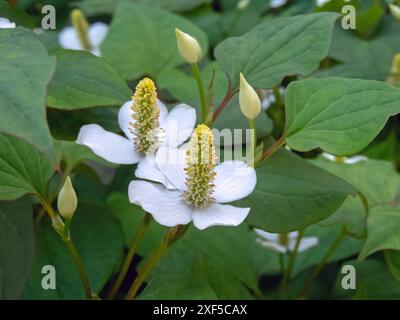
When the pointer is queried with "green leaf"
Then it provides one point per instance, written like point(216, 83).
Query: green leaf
point(28, 67)
point(16, 247)
point(23, 169)
point(82, 80)
point(392, 259)
point(383, 229)
point(147, 46)
point(98, 238)
point(292, 194)
point(178, 287)
point(340, 116)
point(276, 49)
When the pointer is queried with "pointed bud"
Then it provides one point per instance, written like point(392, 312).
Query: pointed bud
point(395, 10)
point(242, 4)
point(67, 201)
point(249, 102)
point(188, 47)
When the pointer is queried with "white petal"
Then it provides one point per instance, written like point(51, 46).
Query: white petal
point(125, 119)
point(96, 52)
point(321, 3)
point(234, 180)
point(273, 237)
point(6, 24)
point(355, 159)
point(68, 39)
point(272, 245)
point(277, 3)
point(171, 162)
point(163, 113)
point(166, 206)
point(328, 156)
point(148, 170)
point(97, 32)
point(293, 235)
point(179, 124)
point(305, 244)
point(219, 215)
point(108, 145)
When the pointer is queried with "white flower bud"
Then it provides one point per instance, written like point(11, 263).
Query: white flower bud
point(67, 200)
point(249, 102)
point(188, 47)
point(395, 10)
point(242, 4)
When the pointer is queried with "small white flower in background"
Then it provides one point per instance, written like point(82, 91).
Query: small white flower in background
point(242, 4)
point(6, 24)
point(277, 3)
point(321, 3)
point(284, 242)
point(202, 188)
point(269, 97)
point(347, 160)
point(81, 35)
point(147, 125)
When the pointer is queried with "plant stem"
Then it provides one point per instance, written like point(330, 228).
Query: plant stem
point(203, 99)
point(278, 97)
point(292, 260)
point(275, 147)
point(81, 268)
point(252, 126)
point(172, 235)
point(307, 287)
point(224, 102)
point(128, 259)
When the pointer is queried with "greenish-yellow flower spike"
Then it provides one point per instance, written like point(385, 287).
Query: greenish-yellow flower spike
point(188, 47)
point(81, 27)
point(67, 200)
point(396, 65)
point(395, 10)
point(200, 164)
point(249, 102)
point(146, 114)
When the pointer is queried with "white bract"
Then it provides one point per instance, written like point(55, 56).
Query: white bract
point(277, 3)
point(147, 125)
point(347, 160)
point(200, 189)
point(6, 24)
point(269, 97)
point(285, 242)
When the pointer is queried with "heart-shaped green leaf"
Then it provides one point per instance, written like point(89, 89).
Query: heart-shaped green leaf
point(276, 49)
point(82, 80)
point(26, 68)
point(340, 116)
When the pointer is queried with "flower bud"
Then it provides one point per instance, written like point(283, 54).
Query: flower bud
point(188, 47)
point(249, 102)
point(67, 201)
point(242, 4)
point(395, 10)
point(396, 65)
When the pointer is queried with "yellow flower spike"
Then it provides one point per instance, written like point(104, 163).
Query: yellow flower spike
point(188, 47)
point(395, 10)
point(396, 64)
point(67, 200)
point(200, 164)
point(146, 115)
point(249, 102)
point(81, 27)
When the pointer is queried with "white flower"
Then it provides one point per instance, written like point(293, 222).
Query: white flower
point(170, 129)
point(6, 24)
point(269, 97)
point(347, 160)
point(277, 3)
point(68, 37)
point(201, 189)
point(395, 10)
point(284, 242)
point(321, 3)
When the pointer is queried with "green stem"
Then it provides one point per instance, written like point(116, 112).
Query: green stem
point(252, 126)
point(203, 99)
point(81, 268)
point(129, 257)
point(307, 287)
point(171, 237)
point(275, 147)
point(278, 97)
